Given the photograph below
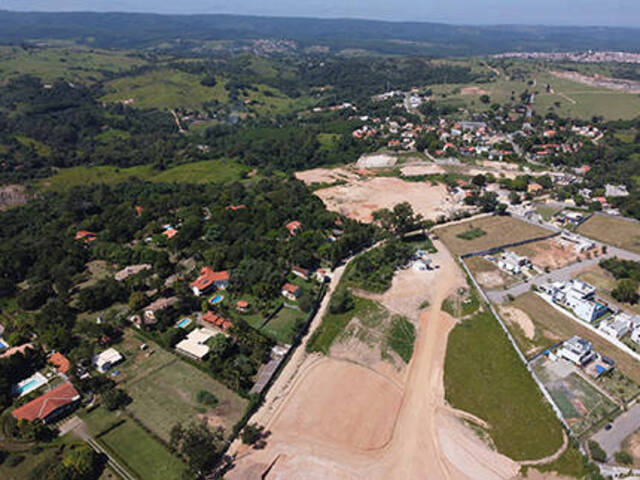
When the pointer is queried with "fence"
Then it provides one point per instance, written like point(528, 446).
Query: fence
point(541, 386)
point(493, 250)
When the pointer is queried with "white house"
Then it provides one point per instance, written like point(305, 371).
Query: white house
point(635, 335)
point(194, 345)
point(579, 297)
point(107, 359)
point(616, 327)
point(577, 350)
point(513, 263)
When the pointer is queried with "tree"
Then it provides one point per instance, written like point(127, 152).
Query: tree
point(251, 433)
point(514, 198)
point(596, 451)
point(626, 291)
point(137, 300)
point(623, 457)
point(115, 398)
point(479, 180)
point(199, 445)
point(485, 99)
point(341, 301)
point(207, 398)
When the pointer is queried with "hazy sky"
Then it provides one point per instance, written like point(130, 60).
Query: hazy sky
point(549, 12)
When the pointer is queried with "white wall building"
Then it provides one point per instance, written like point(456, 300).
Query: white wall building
point(577, 350)
point(194, 345)
point(615, 327)
point(107, 359)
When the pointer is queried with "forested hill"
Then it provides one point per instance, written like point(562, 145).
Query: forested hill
point(185, 32)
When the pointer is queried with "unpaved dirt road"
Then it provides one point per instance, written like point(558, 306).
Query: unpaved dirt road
point(340, 420)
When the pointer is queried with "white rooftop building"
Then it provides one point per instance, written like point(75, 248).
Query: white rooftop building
point(107, 359)
point(194, 345)
point(577, 350)
point(615, 327)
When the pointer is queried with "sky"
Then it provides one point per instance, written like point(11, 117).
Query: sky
point(539, 12)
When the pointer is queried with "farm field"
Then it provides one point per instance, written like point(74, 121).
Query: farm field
point(552, 327)
point(76, 64)
point(164, 89)
point(618, 232)
point(218, 171)
point(164, 390)
point(581, 404)
point(145, 457)
point(498, 230)
point(484, 376)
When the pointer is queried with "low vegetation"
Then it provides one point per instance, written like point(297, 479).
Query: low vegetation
point(618, 232)
point(472, 234)
point(484, 376)
point(373, 271)
point(400, 337)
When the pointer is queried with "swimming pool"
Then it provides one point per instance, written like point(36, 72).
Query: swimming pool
point(30, 384)
point(184, 323)
point(3, 344)
point(215, 300)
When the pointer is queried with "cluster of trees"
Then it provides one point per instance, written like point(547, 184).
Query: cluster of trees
point(201, 447)
point(16, 368)
point(627, 272)
point(373, 270)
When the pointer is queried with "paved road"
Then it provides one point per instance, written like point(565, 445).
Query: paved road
point(623, 426)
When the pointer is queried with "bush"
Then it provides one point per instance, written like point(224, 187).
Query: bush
point(114, 399)
point(207, 398)
point(251, 433)
point(341, 302)
point(14, 459)
point(623, 458)
point(596, 451)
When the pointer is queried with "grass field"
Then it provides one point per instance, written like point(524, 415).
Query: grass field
point(618, 232)
point(144, 456)
point(555, 326)
point(499, 230)
point(334, 324)
point(164, 391)
point(216, 171)
point(401, 335)
point(283, 327)
point(77, 64)
point(165, 89)
point(484, 376)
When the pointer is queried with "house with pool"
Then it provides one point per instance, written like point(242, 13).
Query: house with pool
point(209, 280)
point(51, 406)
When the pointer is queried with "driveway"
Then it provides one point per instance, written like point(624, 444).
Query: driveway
point(622, 427)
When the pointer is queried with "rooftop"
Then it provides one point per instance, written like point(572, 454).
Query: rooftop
point(44, 405)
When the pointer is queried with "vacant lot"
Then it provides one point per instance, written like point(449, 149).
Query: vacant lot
point(555, 326)
point(498, 231)
point(605, 282)
point(214, 171)
point(146, 458)
point(484, 376)
point(550, 253)
point(618, 232)
point(164, 390)
point(487, 274)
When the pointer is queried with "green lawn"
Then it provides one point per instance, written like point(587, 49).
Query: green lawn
point(165, 89)
point(284, 325)
point(484, 376)
point(40, 148)
point(164, 390)
point(471, 234)
point(145, 457)
point(218, 171)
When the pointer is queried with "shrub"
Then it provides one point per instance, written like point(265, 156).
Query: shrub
point(14, 459)
point(623, 457)
point(207, 398)
point(596, 451)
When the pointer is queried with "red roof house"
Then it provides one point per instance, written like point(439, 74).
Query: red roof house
point(217, 320)
point(291, 291)
point(293, 227)
point(301, 272)
point(61, 362)
point(49, 406)
point(208, 279)
point(235, 207)
point(85, 235)
point(242, 305)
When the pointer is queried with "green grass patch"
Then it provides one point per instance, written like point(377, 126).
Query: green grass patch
point(334, 324)
point(141, 453)
point(401, 336)
point(284, 325)
point(471, 234)
point(208, 171)
point(40, 148)
point(571, 464)
point(484, 376)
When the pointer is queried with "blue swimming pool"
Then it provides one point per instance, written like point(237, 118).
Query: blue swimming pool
point(30, 384)
point(3, 345)
point(215, 300)
point(184, 323)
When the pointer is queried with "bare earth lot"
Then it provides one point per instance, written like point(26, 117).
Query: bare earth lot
point(342, 421)
point(325, 175)
point(359, 199)
point(552, 253)
point(498, 231)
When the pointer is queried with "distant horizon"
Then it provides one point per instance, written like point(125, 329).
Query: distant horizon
point(485, 13)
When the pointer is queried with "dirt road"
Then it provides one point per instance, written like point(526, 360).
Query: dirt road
point(336, 419)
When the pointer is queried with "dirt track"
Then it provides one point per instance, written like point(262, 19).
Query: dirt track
point(341, 420)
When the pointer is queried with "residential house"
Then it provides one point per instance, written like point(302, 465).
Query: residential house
point(534, 188)
point(580, 243)
point(50, 406)
point(242, 306)
point(635, 335)
point(291, 291)
point(217, 320)
point(294, 227)
point(62, 363)
point(579, 296)
point(149, 313)
point(19, 349)
point(513, 263)
point(616, 191)
point(194, 345)
point(104, 361)
point(85, 236)
point(169, 232)
point(577, 350)
point(300, 272)
point(209, 279)
point(321, 275)
point(616, 327)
